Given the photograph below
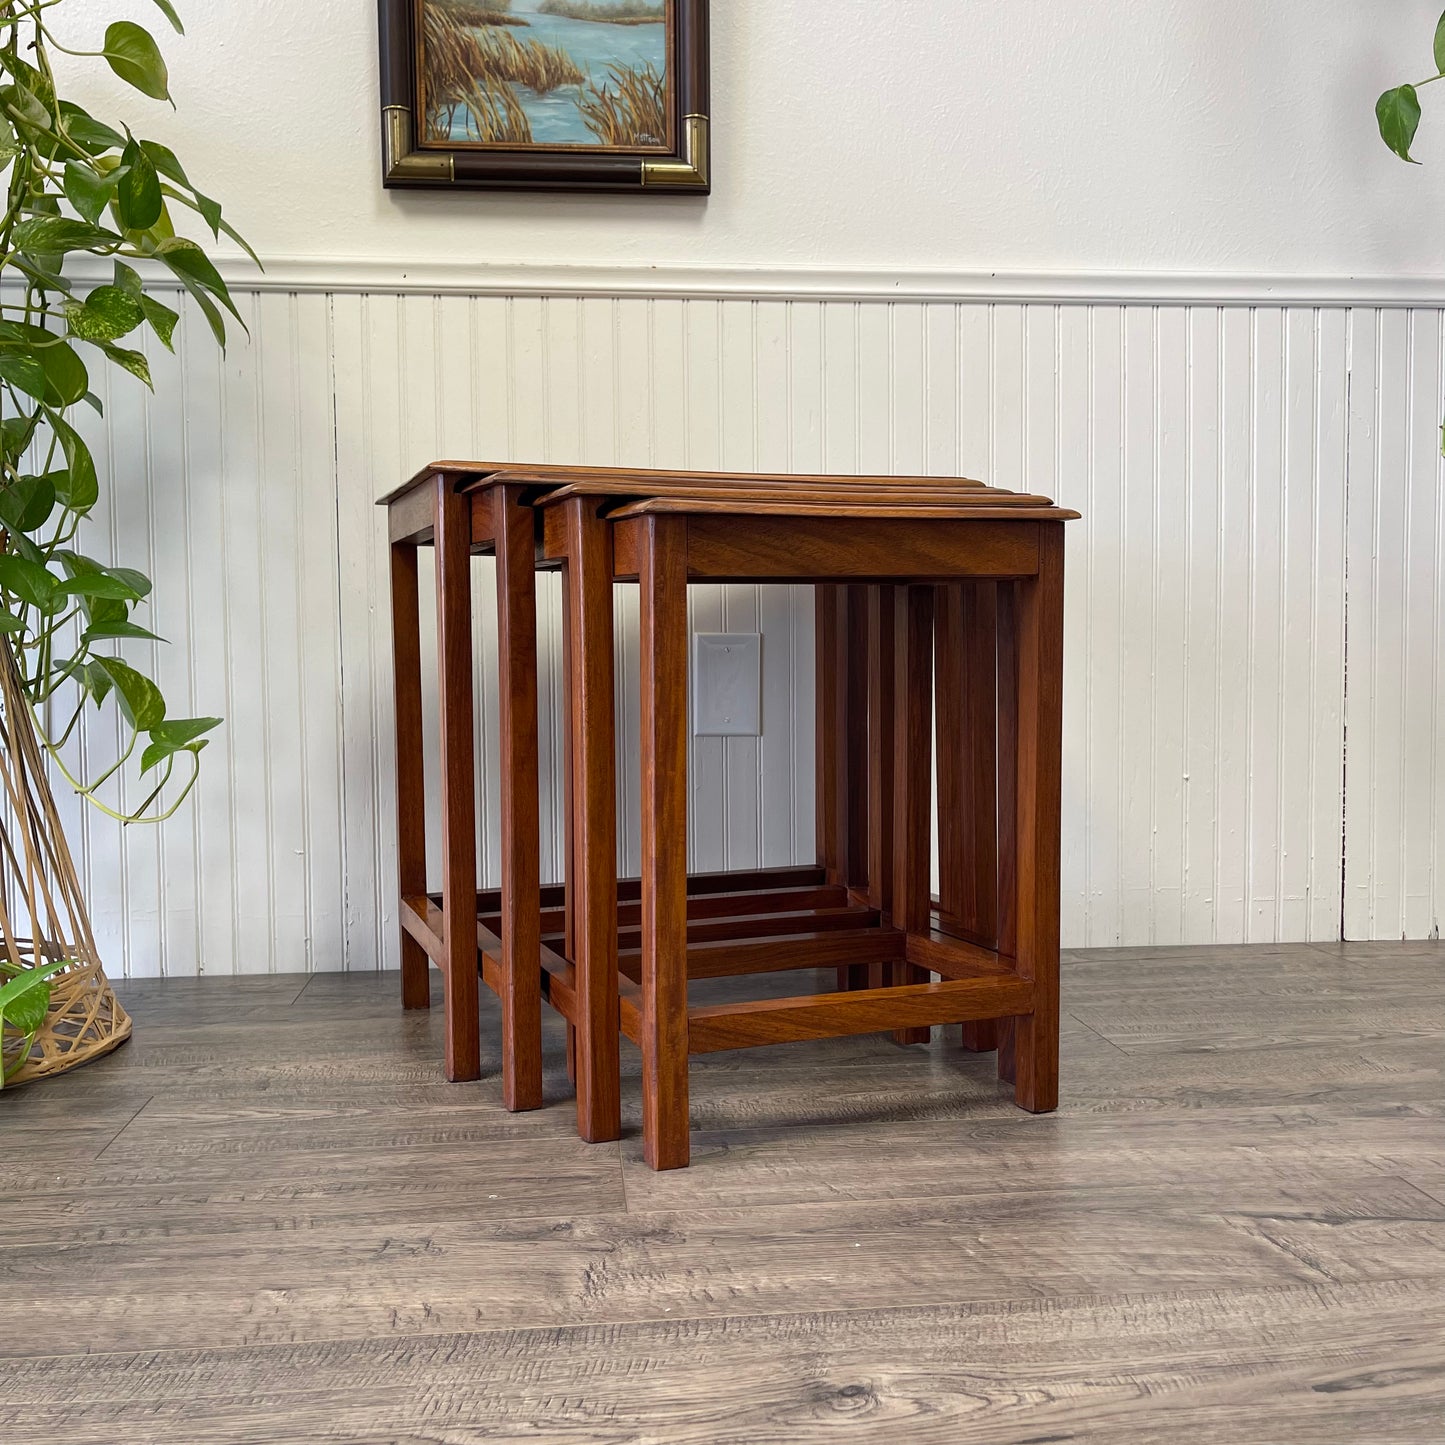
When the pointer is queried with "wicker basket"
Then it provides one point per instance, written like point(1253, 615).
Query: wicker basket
point(43, 918)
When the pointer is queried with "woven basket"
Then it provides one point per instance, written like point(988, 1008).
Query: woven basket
point(43, 918)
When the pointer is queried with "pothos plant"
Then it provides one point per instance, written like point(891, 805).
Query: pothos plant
point(1398, 114)
point(86, 203)
point(1398, 109)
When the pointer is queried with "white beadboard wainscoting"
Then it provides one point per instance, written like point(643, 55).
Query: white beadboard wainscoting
point(1253, 744)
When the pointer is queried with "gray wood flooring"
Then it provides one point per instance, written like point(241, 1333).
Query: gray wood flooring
point(268, 1219)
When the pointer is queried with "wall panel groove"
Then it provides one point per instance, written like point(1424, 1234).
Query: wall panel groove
point(1230, 461)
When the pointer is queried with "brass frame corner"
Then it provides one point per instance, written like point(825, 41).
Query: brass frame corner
point(401, 161)
point(694, 170)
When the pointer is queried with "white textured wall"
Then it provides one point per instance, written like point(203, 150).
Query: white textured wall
point(1255, 449)
point(1198, 135)
point(1229, 460)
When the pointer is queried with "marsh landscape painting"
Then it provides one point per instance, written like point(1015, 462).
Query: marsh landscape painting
point(552, 74)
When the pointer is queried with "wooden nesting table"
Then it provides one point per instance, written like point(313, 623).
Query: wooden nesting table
point(905, 568)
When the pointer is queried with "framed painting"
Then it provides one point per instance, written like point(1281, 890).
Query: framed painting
point(554, 95)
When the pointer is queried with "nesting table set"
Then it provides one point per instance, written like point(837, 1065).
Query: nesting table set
point(939, 616)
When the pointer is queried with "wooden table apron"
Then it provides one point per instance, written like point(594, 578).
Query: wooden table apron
point(907, 566)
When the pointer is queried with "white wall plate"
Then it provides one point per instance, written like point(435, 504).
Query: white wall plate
point(727, 685)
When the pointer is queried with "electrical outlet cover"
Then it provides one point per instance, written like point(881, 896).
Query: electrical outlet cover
point(727, 684)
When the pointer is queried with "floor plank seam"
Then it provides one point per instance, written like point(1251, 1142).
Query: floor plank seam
point(1113, 1044)
point(310, 979)
point(144, 1106)
point(1298, 1253)
point(622, 1176)
point(1432, 1197)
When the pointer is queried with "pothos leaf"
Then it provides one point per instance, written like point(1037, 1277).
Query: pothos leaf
point(138, 191)
point(183, 735)
point(111, 631)
point(44, 275)
point(162, 319)
point(107, 314)
point(208, 308)
point(23, 107)
point(138, 582)
point(132, 361)
point(184, 730)
point(97, 584)
point(24, 372)
point(111, 582)
point(127, 279)
point(98, 681)
point(25, 999)
point(102, 612)
point(65, 372)
point(9, 145)
point(88, 191)
point(29, 581)
point(191, 264)
point(16, 432)
point(140, 698)
point(53, 235)
point(169, 11)
point(26, 504)
point(166, 162)
point(88, 133)
point(131, 51)
point(1398, 114)
point(83, 488)
point(26, 1012)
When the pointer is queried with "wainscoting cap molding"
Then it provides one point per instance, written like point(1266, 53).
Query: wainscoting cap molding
point(304, 274)
point(809, 283)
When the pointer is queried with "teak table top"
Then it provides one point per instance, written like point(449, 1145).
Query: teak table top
point(640, 491)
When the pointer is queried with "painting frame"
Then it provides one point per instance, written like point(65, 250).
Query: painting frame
point(679, 166)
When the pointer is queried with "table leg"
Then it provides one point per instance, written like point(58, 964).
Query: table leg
point(880, 748)
point(912, 779)
point(663, 581)
point(513, 526)
point(967, 703)
point(826, 598)
point(569, 825)
point(853, 672)
point(459, 803)
point(880, 713)
point(1008, 732)
point(844, 724)
point(592, 887)
point(410, 784)
point(1039, 627)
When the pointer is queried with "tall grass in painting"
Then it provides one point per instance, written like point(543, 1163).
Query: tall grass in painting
point(543, 68)
point(472, 72)
point(621, 12)
point(630, 109)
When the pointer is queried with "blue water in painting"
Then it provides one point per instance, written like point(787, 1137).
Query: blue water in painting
point(594, 46)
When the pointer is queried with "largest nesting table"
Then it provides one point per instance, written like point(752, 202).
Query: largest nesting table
point(887, 556)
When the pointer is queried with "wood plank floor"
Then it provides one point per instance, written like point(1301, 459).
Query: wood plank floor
point(268, 1219)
